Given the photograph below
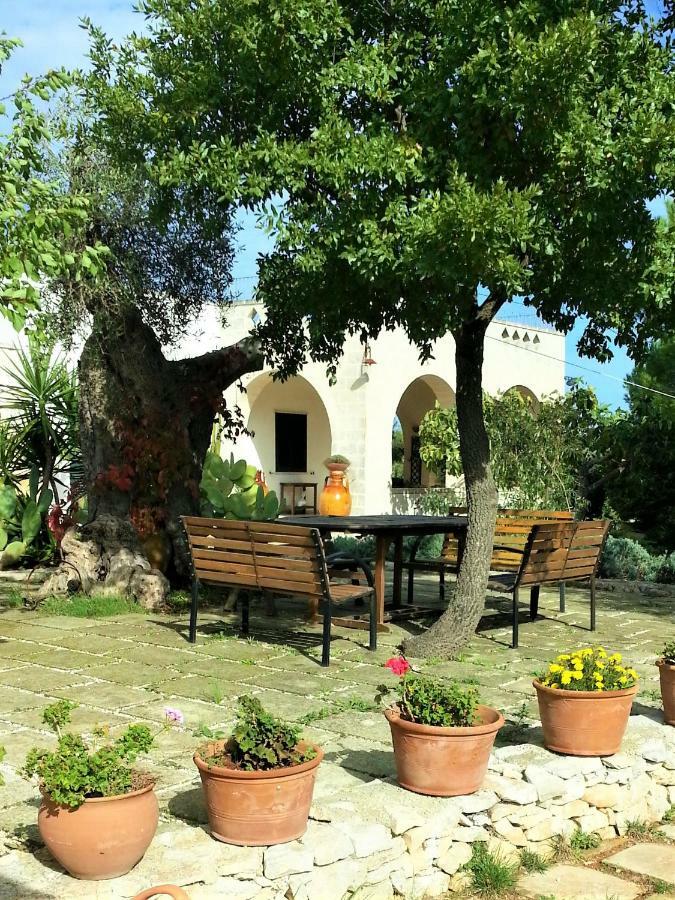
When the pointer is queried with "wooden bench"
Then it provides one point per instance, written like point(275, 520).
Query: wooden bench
point(553, 552)
point(269, 558)
point(511, 530)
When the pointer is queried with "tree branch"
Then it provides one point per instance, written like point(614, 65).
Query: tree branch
point(224, 366)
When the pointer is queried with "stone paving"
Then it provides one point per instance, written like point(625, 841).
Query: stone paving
point(126, 669)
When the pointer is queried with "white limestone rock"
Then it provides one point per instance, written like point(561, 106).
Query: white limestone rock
point(546, 783)
point(511, 791)
point(328, 844)
point(454, 858)
point(368, 838)
point(282, 860)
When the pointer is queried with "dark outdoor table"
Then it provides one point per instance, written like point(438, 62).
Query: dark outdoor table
point(385, 529)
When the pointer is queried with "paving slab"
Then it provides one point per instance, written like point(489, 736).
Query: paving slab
point(654, 860)
point(576, 882)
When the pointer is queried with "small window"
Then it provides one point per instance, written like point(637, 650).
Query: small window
point(290, 436)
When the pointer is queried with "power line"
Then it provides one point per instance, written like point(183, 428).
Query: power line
point(642, 387)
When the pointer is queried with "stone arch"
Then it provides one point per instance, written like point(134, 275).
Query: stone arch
point(421, 395)
point(527, 393)
point(296, 396)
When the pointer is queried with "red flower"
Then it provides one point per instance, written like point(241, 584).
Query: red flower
point(399, 665)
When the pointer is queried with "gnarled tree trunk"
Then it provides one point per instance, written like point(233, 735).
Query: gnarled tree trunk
point(146, 423)
point(458, 623)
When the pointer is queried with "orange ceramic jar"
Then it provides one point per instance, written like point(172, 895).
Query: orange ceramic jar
point(335, 499)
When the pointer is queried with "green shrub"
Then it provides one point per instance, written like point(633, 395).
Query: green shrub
point(76, 771)
point(669, 652)
point(229, 490)
point(627, 559)
point(260, 741)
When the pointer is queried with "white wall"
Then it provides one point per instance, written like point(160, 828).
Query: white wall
point(361, 406)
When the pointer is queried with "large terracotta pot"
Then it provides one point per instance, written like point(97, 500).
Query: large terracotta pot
point(257, 808)
point(584, 723)
point(667, 676)
point(335, 499)
point(443, 762)
point(103, 838)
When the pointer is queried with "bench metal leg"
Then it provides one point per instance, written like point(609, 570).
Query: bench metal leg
point(411, 583)
point(193, 611)
point(441, 586)
point(325, 648)
point(514, 640)
point(245, 601)
point(534, 601)
point(592, 602)
point(372, 644)
point(561, 591)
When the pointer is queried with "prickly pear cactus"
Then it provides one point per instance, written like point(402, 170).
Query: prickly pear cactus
point(229, 491)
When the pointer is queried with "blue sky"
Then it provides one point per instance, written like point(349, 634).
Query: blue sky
point(52, 38)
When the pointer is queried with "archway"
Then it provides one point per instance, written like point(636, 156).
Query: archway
point(527, 394)
point(290, 435)
point(418, 398)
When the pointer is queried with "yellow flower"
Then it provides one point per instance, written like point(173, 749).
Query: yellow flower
point(632, 673)
point(563, 657)
point(623, 680)
point(578, 665)
point(554, 685)
point(555, 668)
point(587, 652)
point(601, 652)
point(615, 657)
point(576, 675)
point(599, 665)
point(566, 677)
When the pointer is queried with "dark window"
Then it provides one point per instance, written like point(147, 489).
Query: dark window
point(290, 436)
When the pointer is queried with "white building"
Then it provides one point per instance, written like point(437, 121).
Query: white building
point(296, 424)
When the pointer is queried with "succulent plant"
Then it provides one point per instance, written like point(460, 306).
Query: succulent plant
point(229, 490)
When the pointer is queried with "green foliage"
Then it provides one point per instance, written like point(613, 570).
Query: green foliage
point(627, 559)
point(639, 449)
point(640, 830)
point(77, 770)
point(583, 840)
point(260, 741)
point(38, 216)
point(541, 452)
point(229, 490)
point(668, 653)
point(3, 753)
point(430, 701)
point(490, 875)
point(89, 606)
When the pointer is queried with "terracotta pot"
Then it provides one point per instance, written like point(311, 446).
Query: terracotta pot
point(335, 499)
point(443, 762)
point(584, 723)
point(254, 809)
point(103, 838)
point(162, 890)
point(667, 676)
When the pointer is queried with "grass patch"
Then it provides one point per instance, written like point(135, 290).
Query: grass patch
point(215, 693)
point(532, 861)
point(356, 703)
point(636, 828)
point(661, 887)
point(84, 606)
point(670, 815)
point(490, 875)
point(12, 599)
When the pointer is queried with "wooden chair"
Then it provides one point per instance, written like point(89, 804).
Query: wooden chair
point(512, 529)
point(553, 552)
point(270, 558)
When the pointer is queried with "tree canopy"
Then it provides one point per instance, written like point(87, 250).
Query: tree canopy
point(420, 164)
point(38, 215)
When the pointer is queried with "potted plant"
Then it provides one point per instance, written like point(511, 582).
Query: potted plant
point(667, 676)
point(585, 698)
point(335, 498)
point(98, 813)
point(442, 735)
point(258, 783)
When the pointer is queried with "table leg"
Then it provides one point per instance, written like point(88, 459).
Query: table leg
point(398, 570)
point(381, 547)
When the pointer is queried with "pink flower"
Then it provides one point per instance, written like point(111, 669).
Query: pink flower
point(173, 716)
point(399, 665)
